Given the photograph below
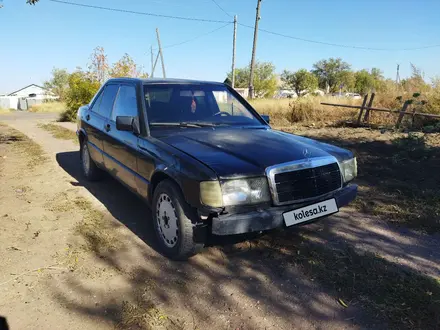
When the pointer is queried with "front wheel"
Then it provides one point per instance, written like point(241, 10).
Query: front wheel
point(174, 222)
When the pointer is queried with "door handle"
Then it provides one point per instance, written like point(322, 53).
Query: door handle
point(107, 127)
point(88, 117)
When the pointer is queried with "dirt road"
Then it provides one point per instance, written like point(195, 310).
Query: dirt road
point(79, 255)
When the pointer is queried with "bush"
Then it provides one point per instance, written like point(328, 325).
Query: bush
point(81, 91)
point(285, 112)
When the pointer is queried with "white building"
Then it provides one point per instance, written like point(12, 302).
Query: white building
point(25, 97)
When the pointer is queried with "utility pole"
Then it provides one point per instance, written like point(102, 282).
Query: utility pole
point(254, 49)
point(398, 75)
point(152, 63)
point(234, 43)
point(161, 53)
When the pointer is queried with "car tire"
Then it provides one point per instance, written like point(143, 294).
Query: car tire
point(174, 221)
point(89, 169)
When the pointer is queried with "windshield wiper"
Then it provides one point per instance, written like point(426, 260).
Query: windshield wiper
point(183, 124)
point(199, 124)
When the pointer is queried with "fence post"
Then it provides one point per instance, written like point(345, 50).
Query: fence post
point(401, 114)
point(413, 116)
point(362, 109)
point(370, 104)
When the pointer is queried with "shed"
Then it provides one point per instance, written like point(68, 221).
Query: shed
point(25, 97)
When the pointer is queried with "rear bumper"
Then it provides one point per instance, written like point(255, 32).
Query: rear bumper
point(270, 218)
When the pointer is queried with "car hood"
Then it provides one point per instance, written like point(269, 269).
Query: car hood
point(239, 152)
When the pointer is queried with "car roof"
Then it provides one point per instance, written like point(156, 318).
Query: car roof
point(164, 81)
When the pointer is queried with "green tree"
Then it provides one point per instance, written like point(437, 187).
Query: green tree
point(59, 83)
point(345, 80)
point(365, 82)
point(126, 67)
point(241, 77)
point(265, 80)
point(379, 80)
point(329, 73)
point(301, 81)
point(81, 91)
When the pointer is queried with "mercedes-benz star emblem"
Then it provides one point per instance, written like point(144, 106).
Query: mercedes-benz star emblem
point(307, 153)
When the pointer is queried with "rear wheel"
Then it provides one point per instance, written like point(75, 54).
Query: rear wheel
point(89, 168)
point(174, 222)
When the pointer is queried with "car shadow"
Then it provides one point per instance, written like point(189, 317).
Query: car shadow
point(302, 278)
point(123, 205)
point(128, 208)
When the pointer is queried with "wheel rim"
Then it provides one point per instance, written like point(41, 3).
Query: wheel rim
point(86, 159)
point(167, 221)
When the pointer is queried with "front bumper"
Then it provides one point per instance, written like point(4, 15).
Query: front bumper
point(270, 218)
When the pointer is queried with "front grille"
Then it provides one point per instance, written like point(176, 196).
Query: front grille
point(307, 183)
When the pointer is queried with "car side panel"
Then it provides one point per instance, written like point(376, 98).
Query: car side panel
point(120, 150)
point(93, 124)
point(155, 157)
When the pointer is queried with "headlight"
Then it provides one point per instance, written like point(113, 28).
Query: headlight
point(234, 192)
point(349, 169)
point(211, 193)
point(245, 191)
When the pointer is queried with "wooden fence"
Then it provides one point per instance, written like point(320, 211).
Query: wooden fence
point(367, 108)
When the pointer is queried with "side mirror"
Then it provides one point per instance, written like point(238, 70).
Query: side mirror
point(127, 123)
point(266, 118)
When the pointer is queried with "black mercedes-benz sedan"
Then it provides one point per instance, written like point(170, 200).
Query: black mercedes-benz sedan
point(206, 162)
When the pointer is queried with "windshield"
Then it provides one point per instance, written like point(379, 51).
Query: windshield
point(199, 105)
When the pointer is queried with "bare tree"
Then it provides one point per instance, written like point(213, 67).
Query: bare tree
point(99, 68)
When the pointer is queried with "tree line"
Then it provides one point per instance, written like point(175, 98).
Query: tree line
point(330, 75)
point(79, 87)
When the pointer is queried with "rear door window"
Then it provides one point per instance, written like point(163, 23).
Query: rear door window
point(125, 104)
point(108, 99)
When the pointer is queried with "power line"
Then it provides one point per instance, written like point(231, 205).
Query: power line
point(197, 37)
point(338, 45)
point(221, 8)
point(139, 13)
point(241, 24)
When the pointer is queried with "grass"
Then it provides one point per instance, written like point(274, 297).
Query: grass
point(102, 240)
point(60, 132)
point(308, 110)
point(54, 107)
point(143, 314)
point(99, 233)
point(5, 111)
point(34, 153)
point(285, 112)
point(401, 298)
point(398, 173)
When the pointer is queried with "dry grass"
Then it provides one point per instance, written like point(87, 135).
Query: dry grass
point(100, 233)
point(401, 298)
point(21, 143)
point(309, 110)
point(55, 107)
point(285, 112)
point(60, 132)
point(143, 315)
point(398, 173)
point(5, 111)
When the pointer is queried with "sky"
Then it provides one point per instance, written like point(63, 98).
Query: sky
point(35, 39)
